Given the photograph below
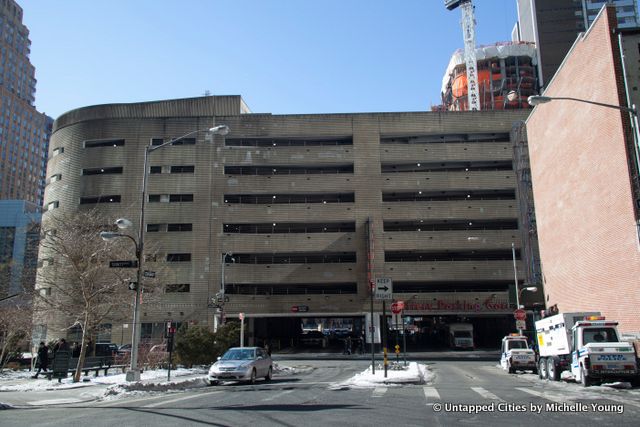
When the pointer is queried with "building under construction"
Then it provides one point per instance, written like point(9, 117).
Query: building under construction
point(506, 75)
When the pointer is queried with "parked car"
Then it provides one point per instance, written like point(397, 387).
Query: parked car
point(241, 364)
point(313, 338)
point(106, 352)
point(124, 349)
point(106, 349)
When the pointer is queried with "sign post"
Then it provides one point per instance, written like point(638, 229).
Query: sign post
point(171, 330)
point(520, 315)
point(384, 291)
point(396, 309)
point(241, 316)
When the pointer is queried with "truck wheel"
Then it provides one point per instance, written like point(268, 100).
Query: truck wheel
point(542, 369)
point(584, 379)
point(552, 370)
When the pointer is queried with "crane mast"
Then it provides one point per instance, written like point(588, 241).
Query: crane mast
point(469, 36)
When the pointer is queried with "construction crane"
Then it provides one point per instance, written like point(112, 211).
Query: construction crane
point(469, 35)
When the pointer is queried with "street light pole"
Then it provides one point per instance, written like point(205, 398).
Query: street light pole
point(515, 273)
point(134, 373)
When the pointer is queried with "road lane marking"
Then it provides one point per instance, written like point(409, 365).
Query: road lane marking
point(276, 396)
point(430, 393)
point(178, 399)
point(379, 391)
point(124, 401)
point(561, 398)
point(554, 397)
point(486, 394)
point(54, 402)
point(620, 400)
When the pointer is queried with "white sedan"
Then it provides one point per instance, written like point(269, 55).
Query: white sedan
point(241, 364)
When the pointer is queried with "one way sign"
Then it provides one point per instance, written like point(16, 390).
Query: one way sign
point(384, 289)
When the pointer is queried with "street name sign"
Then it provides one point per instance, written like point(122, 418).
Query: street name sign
point(150, 274)
point(384, 289)
point(123, 264)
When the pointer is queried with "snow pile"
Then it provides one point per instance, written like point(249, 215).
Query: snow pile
point(413, 373)
point(148, 375)
point(161, 386)
point(22, 381)
point(287, 370)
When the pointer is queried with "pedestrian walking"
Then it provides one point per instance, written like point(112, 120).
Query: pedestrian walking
point(75, 349)
point(61, 345)
point(347, 345)
point(267, 349)
point(42, 361)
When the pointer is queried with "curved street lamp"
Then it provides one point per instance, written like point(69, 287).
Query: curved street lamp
point(134, 373)
point(540, 99)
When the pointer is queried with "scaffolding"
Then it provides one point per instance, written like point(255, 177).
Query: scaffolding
point(506, 74)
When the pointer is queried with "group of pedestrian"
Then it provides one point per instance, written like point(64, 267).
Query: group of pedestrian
point(352, 346)
point(44, 357)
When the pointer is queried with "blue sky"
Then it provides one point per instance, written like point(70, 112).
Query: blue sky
point(282, 56)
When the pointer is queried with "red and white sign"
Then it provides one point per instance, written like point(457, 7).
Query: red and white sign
point(397, 307)
point(520, 314)
point(241, 316)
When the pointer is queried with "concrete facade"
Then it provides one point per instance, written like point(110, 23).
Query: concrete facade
point(311, 208)
point(24, 132)
point(584, 171)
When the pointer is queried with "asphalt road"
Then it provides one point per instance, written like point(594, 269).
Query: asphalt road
point(462, 392)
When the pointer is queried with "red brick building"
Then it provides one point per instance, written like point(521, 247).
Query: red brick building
point(584, 173)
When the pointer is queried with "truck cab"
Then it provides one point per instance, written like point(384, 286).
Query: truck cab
point(586, 344)
point(597, 354)
point(516, 354)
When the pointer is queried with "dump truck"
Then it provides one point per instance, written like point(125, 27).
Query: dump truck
point(516, 354)
point(587, 345)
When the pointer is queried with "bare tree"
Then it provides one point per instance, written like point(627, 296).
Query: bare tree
point(15, 327)
point(5, 279)
point(75, 285)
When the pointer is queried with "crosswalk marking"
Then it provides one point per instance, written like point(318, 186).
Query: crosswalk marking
point(430, 393)
point(486, 394)
point(379, 391)
point(555, 397)
point(178, 399)
point(622, 400)
point(276, 396)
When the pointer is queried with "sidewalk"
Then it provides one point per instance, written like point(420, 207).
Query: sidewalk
point(18, 389)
